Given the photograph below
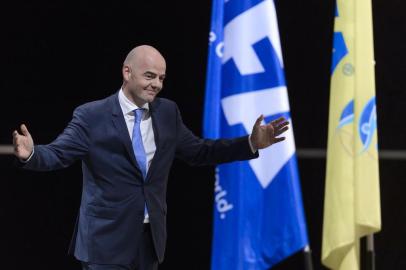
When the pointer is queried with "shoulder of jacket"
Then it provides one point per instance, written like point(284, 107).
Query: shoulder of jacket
point(166, 102)
point(95, 106)
point(94, 103)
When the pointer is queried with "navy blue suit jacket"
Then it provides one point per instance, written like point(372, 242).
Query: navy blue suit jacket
point(111, 214)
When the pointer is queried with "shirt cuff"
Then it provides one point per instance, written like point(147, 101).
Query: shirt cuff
point(251, 146)
point(32, 153)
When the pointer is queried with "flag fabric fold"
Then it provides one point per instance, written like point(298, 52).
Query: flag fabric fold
point(258, 211)
point(352, 196)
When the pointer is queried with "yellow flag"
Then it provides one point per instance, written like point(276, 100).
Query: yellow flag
point(352, 199)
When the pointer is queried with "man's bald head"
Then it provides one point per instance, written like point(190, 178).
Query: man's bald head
point(143, 74)
point(141, 54)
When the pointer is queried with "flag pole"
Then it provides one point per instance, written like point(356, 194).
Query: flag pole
point(370, 259)
point(308, 261)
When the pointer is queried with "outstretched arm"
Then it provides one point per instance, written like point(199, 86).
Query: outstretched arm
point(197, 151)
point(70, 145)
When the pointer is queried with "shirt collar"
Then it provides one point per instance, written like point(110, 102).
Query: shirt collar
point(127, 106)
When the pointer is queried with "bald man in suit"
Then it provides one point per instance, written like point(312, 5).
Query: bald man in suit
point(126, 143)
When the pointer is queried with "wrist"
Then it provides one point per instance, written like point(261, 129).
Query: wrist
point(253, 146)
point(28, 158)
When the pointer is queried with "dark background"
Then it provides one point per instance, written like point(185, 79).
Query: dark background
point(56, 55)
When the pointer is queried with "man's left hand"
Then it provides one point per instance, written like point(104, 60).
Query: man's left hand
point(263, 136)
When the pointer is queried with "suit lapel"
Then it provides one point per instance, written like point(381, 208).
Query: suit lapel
point(153, 107)
point(121, 128)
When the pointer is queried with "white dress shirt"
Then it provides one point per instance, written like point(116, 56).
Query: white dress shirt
point(147, 132)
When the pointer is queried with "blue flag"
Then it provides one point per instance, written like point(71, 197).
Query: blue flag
point(258, 215)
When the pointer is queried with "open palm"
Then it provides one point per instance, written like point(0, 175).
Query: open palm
point(263, 136)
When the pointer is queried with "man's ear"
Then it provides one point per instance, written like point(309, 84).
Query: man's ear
point(126, 73)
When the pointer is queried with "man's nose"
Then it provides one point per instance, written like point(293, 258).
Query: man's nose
point(156, 83)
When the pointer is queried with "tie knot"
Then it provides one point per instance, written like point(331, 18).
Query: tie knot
point(138, 114)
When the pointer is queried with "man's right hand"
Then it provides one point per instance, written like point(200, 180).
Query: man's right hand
point(23, 143)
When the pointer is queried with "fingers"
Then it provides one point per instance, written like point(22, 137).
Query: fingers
point(279, 139)
point(280, 125)
point(17, 137)
point(278, 121)
point(15, 141)
point(279, 131)
point(259, 120)
point(15, 134)
point(24, 130)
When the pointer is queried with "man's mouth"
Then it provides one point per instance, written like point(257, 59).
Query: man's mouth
point(151, 92)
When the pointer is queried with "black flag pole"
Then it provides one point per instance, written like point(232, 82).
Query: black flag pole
point(370, 256)
point(308, 261)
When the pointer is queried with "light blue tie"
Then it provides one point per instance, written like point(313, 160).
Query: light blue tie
point(138, 146)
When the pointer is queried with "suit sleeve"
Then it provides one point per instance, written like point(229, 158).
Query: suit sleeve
point(197, 151)
point(72, 144)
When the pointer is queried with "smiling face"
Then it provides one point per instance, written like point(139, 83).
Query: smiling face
point(143, 74)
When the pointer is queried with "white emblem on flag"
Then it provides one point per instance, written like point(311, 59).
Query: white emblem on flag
point(240, 49)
